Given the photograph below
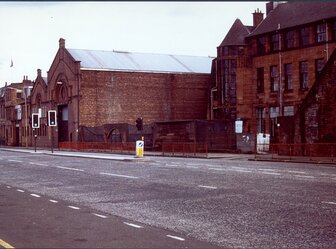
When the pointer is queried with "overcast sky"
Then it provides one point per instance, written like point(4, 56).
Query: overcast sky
point(30, 31)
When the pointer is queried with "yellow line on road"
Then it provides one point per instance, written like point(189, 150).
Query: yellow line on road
point(5, 245)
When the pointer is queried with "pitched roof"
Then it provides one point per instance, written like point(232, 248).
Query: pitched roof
point(144, 62)
point(295, 13)
point(236, 34)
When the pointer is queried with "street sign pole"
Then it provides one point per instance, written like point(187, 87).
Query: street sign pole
point(52, 139)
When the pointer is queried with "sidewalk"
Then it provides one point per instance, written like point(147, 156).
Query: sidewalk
point(121, 157)
point(75, 154)
point(148, 155)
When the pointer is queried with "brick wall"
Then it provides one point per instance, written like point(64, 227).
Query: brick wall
point(121, 97)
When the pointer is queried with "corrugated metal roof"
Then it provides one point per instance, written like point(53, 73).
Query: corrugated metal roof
point(144, 62)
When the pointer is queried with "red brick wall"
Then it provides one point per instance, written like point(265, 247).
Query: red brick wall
point(121, 97)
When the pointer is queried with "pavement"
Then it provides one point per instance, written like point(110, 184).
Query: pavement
point(148, 156)
point(119, 157)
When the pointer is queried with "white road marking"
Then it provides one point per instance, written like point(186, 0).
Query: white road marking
point(53, 201)
point(132, 225)
point(304, 176)
point(240, 168)
point(175, 237)
point(61, 167)
point(217, 169)
point(190, 167)
point(35, 195)
point(20, 190)
point(39, 164)
point(8, 186)
point(296, 172)
point(271, 173)
point(17, 161)
point(117, 175)
point(329, 202)
point(73, 207)
point(243, 171)
point(268, 170)
point(205, 186)
point(100, 216)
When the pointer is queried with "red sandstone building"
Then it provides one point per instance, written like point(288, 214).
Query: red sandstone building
point(263, 74)
point(99, 94)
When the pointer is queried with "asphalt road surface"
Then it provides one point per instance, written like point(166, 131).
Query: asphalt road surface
point(49, 201)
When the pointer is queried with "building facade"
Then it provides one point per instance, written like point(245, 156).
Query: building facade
point(90, 88)
point(264, 72)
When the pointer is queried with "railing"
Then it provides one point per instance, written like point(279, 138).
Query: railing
point(317, 152)
point(185, 149)
point(128, 148)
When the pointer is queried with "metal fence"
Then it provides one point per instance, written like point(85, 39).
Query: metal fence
point(128, 148)
point(317, 152)
point(185, 149)
point(168, 149)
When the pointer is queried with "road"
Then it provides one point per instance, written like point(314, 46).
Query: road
point(177, 202)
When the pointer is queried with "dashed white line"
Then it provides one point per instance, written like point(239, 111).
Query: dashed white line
point(20, 190)
point(8, 186)
point(296, 172)
point(175, 237)
point(53, 201)
point(329, 202)
point(117, 175)
point(270, 173)
point(190, 167)
point(243, 171)
point(17, 161)
point(73, 207)
point(61, 167)
point(35, 195)
point(304, 176)
point(39, 164)
point(208, 187)
point(268, 170)
point(217, 169)
point(100, 215)
point(132, 225)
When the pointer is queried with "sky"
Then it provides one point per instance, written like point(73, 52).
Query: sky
point(30, 31)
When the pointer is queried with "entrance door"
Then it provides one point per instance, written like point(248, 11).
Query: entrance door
point(62, 122)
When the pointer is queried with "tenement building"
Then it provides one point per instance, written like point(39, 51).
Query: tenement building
point(265, 73)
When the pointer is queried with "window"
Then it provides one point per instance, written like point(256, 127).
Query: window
point(274, 113)
point(261, 45)
point(260, 119)
point(304, 36)
point(260, 80)
point(233, 82)
point(274, 78)
point(288, 77)
point(303, 74)
point(334, 30)
point(321, 32)
point(226, 50)
point(319, 64)
point(275, 42)
point(289, 110)
point(289, 42)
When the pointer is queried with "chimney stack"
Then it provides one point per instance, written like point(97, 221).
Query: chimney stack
point(61, 43)
point(258, 17)
point(39, 72)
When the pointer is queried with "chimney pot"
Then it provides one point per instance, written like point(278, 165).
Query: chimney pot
point(258, 17)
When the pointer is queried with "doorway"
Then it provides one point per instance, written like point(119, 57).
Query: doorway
point(63, 123)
